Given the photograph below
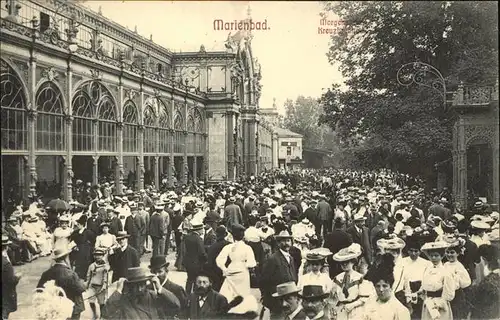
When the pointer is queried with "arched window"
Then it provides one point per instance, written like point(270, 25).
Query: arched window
point(198, 128)
point(13, 106)
point(93, 102)
point(130, 123)
point(164, 126)
point(50, 121)
point(179, 130)
point(150, 139)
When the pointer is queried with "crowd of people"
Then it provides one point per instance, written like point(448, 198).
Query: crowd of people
point(316, 244)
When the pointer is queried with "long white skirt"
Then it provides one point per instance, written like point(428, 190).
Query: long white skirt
point(236, 285)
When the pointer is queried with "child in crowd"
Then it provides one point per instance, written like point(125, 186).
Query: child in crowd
point(97, 283)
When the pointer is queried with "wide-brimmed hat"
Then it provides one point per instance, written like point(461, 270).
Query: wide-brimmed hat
point(64, 218)
point(310, 292)
point(138, 274)
point(391, 244)
point(480, 225)
point(305, 221)
point(433, 246)
point(286, 288)
point(349, 253)
point(61, 252)
point(197, 226)
point(359, 217)
point(12, 218)
point(159, 205)
point(104, 224)
point(158, 262)
point(122, 235)
point(314, 256)
point(454, 241)
point(284, 234)
point(5, 240)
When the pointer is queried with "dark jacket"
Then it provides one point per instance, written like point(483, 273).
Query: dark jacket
point(9, 283)
point(212, 253)
point(210, 239)
point(94, 225)
point(484, 298)
point(120, 261)
point(195, 255)
point(69, 281)
point(115, 225)
point(133, 225)
point(178, 291)
point(215, 306)
point(83, 256)
point(276, 270)
point(156, 225)
point(363, 239)
point(324, 211)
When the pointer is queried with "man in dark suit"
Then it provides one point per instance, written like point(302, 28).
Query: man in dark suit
point(115, 224)
point(212, 254)
point(210, 237)
point(123, 258)
point(134, 227)
point(195, 256)
point(232, 214)
point(159, 266)
point(84, 240)
point(279, 268)
point(10, 279)
point(360, 235)
point(325, 215)
point(67, 279)
point(156, 231)
point(289, 295)
point(204, 302)
point(336, 240)
point(94, 224)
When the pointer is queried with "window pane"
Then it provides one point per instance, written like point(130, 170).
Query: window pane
point(83, 136)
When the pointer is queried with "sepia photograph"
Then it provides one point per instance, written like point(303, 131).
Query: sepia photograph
point(250, 160)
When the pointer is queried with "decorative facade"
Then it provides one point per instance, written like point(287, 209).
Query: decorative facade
point(475, 144)
point(84, 98)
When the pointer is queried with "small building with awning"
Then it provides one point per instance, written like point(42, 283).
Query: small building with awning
point(314, 158)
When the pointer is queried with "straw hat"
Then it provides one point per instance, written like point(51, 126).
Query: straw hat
point(284, 234)
point(432, 246)
point(5, 240)
point(285, 289)
point(64, 218)
point(481, 225)
point(138, 274)
point(99, 252)
point(61, 252)
point(391, 244)
point(197, 226)
point(359, 217)
point(122, 235)
point(349, 253)
point(314, 256)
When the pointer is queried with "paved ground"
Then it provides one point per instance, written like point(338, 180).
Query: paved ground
point(31, 274)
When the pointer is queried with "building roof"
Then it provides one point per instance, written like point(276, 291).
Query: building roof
point(286, 133)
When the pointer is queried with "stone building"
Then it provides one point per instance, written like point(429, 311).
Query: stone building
point(84, 98)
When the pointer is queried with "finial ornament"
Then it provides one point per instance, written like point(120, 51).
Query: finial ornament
point(274, 103)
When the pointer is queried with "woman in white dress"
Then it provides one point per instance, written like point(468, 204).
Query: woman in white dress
point(385, 305)
point(237, 274)
point(106, 240)
point(351, 290)
point(438, 286)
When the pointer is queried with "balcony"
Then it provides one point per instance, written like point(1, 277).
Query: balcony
point(476, 97)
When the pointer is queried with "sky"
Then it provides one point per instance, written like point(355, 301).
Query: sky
point(291, 52)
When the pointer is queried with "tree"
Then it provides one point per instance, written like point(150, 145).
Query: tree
point(382, 123)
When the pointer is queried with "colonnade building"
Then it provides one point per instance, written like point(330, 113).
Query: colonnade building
point(83, 98)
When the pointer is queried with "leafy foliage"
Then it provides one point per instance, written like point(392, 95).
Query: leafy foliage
point(382, 123)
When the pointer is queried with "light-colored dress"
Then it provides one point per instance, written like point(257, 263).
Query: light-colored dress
point(61, 237)
point(389, 310)
point(357, 289)
point(44, 238)
point(237, 282)
point(437, 278)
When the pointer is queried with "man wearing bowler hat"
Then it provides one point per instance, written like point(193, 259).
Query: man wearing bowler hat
point(195, 255)
point(135, 299)
point(210, 237)
point(313, 302)
point(123, 257)
point(65, 278)
point(288, 292)
point(159, 266)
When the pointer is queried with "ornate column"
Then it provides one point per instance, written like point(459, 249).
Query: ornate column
point(185, 168)
point(252, 134)
point(140, 158)
point(32, 114)
point(230, 144)
point(205, 157)
point(462, 164)
point(68, 159)
point(275, 150)
point(171, 162)
point(236, 138)
point(155, 169)
point(119, 159)
point(258, 163)
point(195, 169)
point(95, 168)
